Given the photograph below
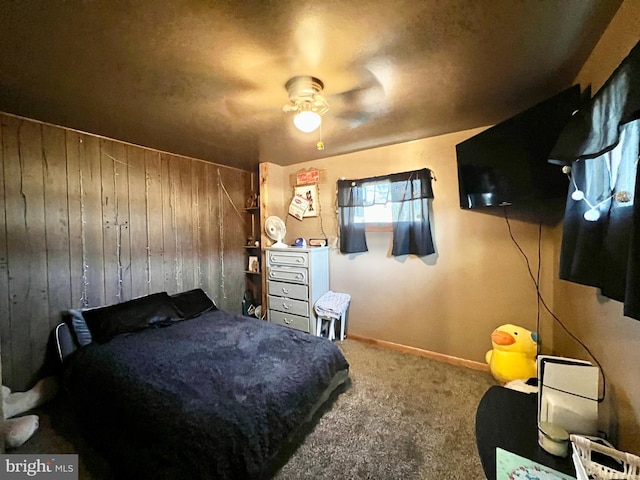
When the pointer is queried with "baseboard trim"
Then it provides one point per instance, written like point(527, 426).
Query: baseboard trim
point(423, 353)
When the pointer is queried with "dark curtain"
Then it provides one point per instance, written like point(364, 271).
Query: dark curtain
point(601, 230)
point(351, 209)
point(408, 193)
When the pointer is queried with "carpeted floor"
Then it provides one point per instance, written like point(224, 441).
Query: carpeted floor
point(403, 417)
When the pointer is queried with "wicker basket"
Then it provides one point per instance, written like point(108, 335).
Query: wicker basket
point(588, 469)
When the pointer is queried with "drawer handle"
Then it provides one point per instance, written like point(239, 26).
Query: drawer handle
point(299, 260)
point(287, 321)
point(271, 274)
point(299, 276)
point(285, 290)
point(285, 306)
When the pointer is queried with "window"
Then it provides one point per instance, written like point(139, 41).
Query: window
point(398, 202)
point(377, 213)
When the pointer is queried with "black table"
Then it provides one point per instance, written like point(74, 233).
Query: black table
point(507, 419)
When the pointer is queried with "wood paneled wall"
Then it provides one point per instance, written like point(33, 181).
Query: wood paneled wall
point(88, 221)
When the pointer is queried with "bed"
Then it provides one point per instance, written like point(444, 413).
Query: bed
point(170, 387)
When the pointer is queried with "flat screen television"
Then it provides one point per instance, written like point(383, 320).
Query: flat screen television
point(507, 164)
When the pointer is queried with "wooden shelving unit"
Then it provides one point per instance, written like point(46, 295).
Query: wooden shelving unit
point(253, 247)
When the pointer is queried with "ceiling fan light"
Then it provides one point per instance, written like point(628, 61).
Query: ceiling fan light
point(307, 121)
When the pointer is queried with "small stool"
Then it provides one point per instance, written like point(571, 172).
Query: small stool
point(330, 307)
point(326, 323)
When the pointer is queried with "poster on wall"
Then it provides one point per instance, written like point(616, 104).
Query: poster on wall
point(308, 177)
point(310, 194)
point(298, 206)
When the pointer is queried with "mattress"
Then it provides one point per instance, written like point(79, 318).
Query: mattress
point(218, 396)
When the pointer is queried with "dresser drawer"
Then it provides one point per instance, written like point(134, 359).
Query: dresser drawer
point(289, 274)
point(283, 304)
point(291, 257)
point(288, 320)
point(289, 290)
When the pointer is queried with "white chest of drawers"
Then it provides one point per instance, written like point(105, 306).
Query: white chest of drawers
point(296, 278)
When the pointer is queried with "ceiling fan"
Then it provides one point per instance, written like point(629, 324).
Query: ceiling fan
point(305, 97)
point(309, 99)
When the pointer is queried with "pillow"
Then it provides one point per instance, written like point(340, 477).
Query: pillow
point(78, 327)
point(192, 303)
point(131, 316)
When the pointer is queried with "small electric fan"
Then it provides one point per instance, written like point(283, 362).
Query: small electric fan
point(275, 228)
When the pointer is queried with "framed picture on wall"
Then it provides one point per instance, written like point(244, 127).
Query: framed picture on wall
point(309, 193)
point(254, 264)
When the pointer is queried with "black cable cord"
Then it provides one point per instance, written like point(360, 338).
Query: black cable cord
point(320, 217)
point(541, 300)
point(537, 282)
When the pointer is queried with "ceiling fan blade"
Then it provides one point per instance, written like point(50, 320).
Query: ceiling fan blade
point(361, 103)
point(355, 118)
point(251, 115)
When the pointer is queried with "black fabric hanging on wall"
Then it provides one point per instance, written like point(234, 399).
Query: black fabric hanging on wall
point(601, 230)
point(351, 207)
point(410, 193)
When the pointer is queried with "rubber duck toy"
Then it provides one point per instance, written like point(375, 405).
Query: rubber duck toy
point(513, 356)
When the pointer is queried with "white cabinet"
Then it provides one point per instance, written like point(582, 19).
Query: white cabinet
point(296, 279)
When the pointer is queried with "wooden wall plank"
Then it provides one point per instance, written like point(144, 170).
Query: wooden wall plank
point(56, 221)
point(91, 187)
point(123, 222)
point(155, 240)
point(234, 235)
point(74, 144)
point(185, 225)
point(223, 284)
point(200, 224)
point(110, 251)
point(177, 223)
point(169, 225)
point(115, 217)
point(5, 318)
point(18, 359)
point(38, 290)
point(213, 236)
point(27, 252)
point(138, 223)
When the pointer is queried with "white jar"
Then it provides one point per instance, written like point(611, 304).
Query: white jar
point(553, 439)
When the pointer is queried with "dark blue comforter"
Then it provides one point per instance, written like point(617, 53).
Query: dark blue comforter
point(213, 397)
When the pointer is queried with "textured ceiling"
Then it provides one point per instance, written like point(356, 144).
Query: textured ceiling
point(206, 78)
